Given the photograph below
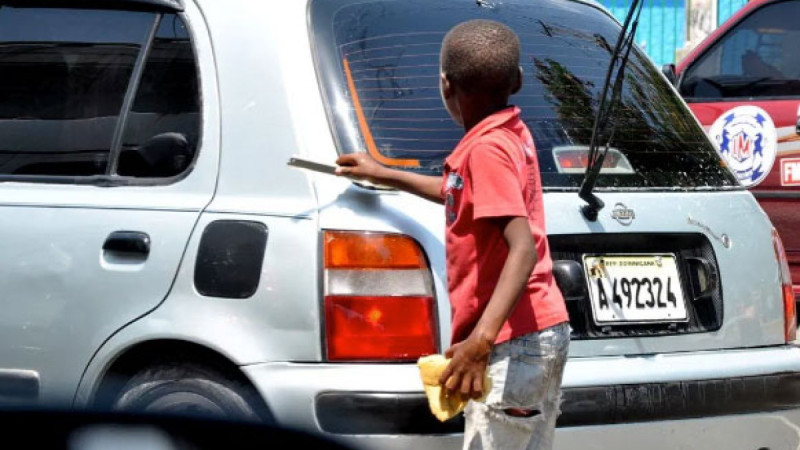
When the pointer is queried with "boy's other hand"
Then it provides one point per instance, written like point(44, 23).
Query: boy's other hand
point(465, 373)
point(359, 166)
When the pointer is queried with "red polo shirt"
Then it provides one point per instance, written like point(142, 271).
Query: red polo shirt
point(493, 172)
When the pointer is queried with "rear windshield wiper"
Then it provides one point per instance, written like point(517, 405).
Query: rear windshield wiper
point(606, 109)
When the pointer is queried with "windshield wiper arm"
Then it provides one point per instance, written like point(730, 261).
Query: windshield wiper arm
point(605, 110)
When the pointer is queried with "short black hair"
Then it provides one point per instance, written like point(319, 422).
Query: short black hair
point(481, 56)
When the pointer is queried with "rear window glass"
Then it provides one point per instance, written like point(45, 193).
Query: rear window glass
point(378, 63)
point(757, 58)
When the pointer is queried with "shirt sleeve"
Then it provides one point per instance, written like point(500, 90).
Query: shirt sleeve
point(495, 181)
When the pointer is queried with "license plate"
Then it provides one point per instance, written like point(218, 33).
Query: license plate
point(627, 289)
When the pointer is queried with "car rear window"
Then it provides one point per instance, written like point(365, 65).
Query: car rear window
point(378, 64)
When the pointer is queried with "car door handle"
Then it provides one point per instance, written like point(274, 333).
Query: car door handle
point(128, 242)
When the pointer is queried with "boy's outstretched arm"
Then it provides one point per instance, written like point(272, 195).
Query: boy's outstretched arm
point(362, 167)
point(471, 356)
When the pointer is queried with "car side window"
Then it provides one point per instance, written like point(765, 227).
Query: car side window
point(754, 59)
point(162, 130)
point(66, 75)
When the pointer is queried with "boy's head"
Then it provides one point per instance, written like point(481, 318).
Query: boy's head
point(479, 60)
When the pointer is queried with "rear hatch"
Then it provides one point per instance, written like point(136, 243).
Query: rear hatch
point(691, 252)
point(724, 272)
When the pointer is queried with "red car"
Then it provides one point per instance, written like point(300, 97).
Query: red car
point(743, 84)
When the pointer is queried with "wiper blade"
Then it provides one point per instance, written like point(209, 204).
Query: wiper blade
point(605, 111)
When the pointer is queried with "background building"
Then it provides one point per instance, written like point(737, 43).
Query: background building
point(668, 29)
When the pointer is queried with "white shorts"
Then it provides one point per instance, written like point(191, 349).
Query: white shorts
point(526, 374)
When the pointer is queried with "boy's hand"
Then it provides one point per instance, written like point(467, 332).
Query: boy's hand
point(467, 368)
point(359, 166)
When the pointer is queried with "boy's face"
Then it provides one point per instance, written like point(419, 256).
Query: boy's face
point(447, 91)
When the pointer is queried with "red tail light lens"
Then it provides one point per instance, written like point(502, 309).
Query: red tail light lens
point(379, 301)
point(789, 310)
point(382, 328)
point(789, 313)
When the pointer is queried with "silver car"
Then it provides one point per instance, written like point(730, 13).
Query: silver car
point(156, 252)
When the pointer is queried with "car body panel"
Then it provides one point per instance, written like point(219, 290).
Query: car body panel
point(280, 322)
point(780, 202)
point(262, 105)
point(58, 315)
point(255, 102)
point(778, 199)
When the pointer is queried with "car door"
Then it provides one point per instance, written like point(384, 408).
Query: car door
point(745, 90)
point(101, 181)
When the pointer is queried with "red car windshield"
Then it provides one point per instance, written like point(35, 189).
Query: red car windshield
point(758, 58)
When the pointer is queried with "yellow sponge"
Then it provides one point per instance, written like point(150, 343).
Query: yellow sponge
point(442, 405)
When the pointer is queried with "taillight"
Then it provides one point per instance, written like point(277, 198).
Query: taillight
point(378, 298)
point(789, 312)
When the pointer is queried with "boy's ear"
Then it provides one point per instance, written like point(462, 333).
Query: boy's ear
point(518, 82)
point(447, 88)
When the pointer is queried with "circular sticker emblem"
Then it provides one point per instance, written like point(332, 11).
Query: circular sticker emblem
point(746, 139)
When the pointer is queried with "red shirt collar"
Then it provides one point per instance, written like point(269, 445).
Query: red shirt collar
point(488, 123)
point(492, 121)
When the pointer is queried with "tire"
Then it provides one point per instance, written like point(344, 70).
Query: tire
point(187, 389)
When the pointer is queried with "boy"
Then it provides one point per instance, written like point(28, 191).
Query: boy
point(507, 311)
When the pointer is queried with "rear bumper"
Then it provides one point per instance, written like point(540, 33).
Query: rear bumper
point(369, 413)
point(620, 404)
point(382, 405)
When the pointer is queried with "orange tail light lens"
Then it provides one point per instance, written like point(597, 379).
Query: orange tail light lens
point(379, 301)
point(789, 309)
point(347, 250)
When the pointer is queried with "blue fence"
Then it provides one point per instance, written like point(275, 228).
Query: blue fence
point(726, 8)
point(662, 26)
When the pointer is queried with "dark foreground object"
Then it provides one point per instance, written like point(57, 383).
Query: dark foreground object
point(75, 430)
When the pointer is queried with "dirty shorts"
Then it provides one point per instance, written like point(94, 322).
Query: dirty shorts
point(526, 374)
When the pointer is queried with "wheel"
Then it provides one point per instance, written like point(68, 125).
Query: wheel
point(183, 389)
